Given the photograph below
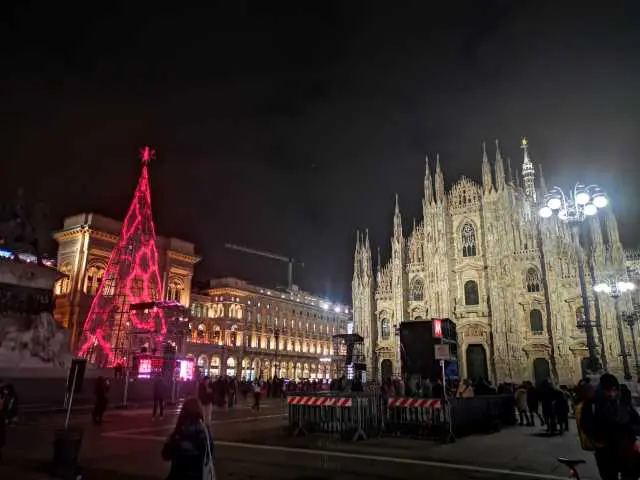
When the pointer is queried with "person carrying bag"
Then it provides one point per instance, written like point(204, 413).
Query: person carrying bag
point(189, 448)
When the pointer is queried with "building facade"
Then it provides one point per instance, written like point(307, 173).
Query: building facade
point(239, 329)
point(84, 245)
point(483, 257)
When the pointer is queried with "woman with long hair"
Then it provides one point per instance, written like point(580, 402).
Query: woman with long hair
point(189, 448)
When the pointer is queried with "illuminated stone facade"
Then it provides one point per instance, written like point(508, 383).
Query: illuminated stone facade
point(482, 257)
point(84, 245)
point(235, 327)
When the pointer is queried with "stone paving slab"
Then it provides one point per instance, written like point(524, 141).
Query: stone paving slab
point(524, 449)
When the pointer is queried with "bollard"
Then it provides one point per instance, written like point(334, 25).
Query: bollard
point(66, 450)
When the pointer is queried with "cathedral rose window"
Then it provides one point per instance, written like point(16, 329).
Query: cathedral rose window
point(468, 240)
point(471, 296)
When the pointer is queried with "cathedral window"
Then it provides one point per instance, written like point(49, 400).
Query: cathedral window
point(471, 296)
point(533, 280)
point(535, 319)
point(385, 329)
point(468, 240)
point(417, 290)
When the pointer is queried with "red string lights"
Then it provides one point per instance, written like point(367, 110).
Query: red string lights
point(132, 276)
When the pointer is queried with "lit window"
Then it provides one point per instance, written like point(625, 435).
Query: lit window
point(471, 296)
point(533, 280)
point(468, 240)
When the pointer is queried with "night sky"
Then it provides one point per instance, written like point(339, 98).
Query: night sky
point(286, 126)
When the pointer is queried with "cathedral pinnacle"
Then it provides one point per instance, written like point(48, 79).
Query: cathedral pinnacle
point(499, 168)
point(528, 171)
point(397, 220)
point(543, 184)
point(487, 181)
point(428, 184)
point(439, 181)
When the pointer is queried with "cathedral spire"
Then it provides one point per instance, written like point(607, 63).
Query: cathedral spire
point(397, 220)
point(543, 184)
point(357, 257)
point(367, 267)
point(379, 269)
point(439, 181)
point(509, 172)
point(528, 172)
point(499, 168)
point(428, 184)
point(487, 181)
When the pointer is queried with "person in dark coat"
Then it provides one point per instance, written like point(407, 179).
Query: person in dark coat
point(159, 394)
point(10, 403)
point(205, 397)
point(533, 404)
point(101, 400)
point(3, 423)
point(186, 447)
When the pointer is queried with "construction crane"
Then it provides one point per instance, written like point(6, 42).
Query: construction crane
point(274, 256)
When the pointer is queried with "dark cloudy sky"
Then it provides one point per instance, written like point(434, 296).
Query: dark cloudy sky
point(287, 125)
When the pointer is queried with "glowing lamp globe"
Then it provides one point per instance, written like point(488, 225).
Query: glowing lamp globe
point(600, 200)
point(626, 286)
point(563, 215)
point(590, 209)
point(602, 288)
point(582, 198)
point(554, 203)
point(545, 212)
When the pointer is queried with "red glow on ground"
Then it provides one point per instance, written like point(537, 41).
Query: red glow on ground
point(132, 276)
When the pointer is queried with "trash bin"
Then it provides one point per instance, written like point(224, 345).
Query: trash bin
point(66, 450)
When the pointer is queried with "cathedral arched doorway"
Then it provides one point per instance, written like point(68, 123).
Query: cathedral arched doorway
point(477, 362)
point(541, 370)
point(386, 369)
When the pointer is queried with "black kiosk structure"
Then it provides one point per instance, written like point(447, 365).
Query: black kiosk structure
point(429, 349)
point(348, 356)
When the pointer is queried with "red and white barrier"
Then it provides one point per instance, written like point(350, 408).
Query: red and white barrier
point(413, 402)
point(320, 401)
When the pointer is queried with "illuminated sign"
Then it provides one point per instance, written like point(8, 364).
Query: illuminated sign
point(144, 369)
point(437, 328)
point(187, 369)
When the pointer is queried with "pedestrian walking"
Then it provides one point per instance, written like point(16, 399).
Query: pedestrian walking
point(205, 396)
point(101, 400)
point(257, 390)
point(159, 395)
point(533, 404)
point(189, 448)
point(3, 425)
point(521, 405)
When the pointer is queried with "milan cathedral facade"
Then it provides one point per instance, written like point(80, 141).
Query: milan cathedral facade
point(483, 257)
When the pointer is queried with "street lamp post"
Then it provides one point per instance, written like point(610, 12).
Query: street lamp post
point(573, 209)
point(631, 318)
point(276, 334)
point(615, 289)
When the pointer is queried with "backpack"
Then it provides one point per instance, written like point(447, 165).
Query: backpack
point(585, 420)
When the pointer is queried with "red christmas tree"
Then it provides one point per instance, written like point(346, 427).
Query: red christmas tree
point(131, 277)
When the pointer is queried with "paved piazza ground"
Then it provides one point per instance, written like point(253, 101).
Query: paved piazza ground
point(255, 446)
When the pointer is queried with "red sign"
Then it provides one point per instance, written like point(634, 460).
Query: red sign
point(437, 328)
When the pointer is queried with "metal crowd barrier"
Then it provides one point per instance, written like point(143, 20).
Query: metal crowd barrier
point(349, 416)
point(362, 415)
point(417, 417)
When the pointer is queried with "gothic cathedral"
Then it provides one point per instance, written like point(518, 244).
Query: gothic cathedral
point(482, 257)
